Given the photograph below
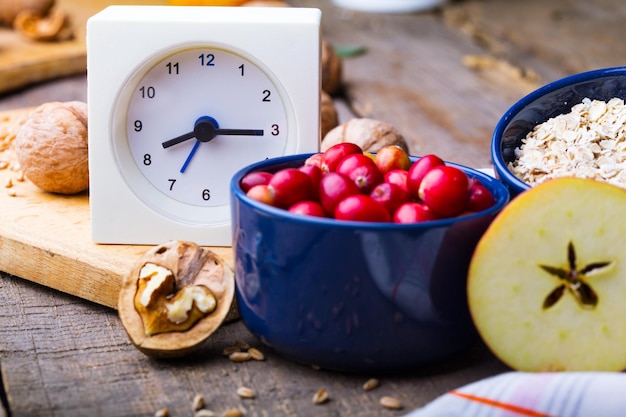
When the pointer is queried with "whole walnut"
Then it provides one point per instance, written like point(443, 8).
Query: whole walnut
point(329, 116)
point(370, 134)
point(51, 147)
point(332, 69)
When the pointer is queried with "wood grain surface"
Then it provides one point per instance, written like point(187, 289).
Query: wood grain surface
point(24, 62)
point(62, 357)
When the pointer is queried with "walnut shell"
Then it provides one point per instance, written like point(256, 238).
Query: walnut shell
point(329, 116)
point(371, 135)
point(191, 265)
point(332, 69)
point(9, 9)
point(55, 26)
point(51, 147)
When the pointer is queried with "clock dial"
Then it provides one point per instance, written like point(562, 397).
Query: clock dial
point(198, 115)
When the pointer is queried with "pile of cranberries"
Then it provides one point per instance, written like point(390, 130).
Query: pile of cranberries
point(347, 184)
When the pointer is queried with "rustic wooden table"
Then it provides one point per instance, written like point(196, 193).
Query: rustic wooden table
point(443, 79)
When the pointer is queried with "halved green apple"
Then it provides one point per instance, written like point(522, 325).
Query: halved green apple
point(547, 281)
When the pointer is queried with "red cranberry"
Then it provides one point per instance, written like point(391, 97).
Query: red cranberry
point(309, 208)
point(418, 170)
point(445, 190)
point(255, 178)
point(412, 212)
point(391, 196)
point(392, 157)
point(333, 155)
point(333, 188)
point(290, 185)
point(361, 208)
point(480, 198)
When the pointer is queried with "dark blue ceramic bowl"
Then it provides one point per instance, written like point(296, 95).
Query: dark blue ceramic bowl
point(544, 103)
point(354, 296)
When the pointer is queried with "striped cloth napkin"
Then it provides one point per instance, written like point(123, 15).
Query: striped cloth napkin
point(521, 394)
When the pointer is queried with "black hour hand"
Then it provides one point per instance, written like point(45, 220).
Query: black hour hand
point(205, 130)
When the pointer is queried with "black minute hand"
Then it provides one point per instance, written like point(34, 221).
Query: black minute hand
point(205, 131)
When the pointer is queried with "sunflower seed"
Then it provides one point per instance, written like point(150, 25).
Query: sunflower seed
point(320, 397)
point(239, 356)
point(204, 413)
point(234, 412)
point(198, 402)
point(390, 403)
point(256, 354)
point(163, 412)
point(245, 392)
point(371, 384)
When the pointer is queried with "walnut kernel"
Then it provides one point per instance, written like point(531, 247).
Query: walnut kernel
point(174, 298)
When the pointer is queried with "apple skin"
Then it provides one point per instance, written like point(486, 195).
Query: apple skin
point(507, 287)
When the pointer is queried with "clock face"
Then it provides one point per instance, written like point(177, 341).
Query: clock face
point(196, 116)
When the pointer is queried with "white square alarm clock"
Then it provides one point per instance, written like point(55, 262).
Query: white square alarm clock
point(180, 98)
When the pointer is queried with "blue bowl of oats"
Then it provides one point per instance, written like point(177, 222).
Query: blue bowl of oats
point(575, 126)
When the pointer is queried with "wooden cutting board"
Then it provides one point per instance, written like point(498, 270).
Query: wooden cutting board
point(45, 238)
point(24, 62)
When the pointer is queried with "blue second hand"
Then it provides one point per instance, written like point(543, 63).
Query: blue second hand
point(193, 151)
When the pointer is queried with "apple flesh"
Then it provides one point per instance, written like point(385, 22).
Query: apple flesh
point(547, 281)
